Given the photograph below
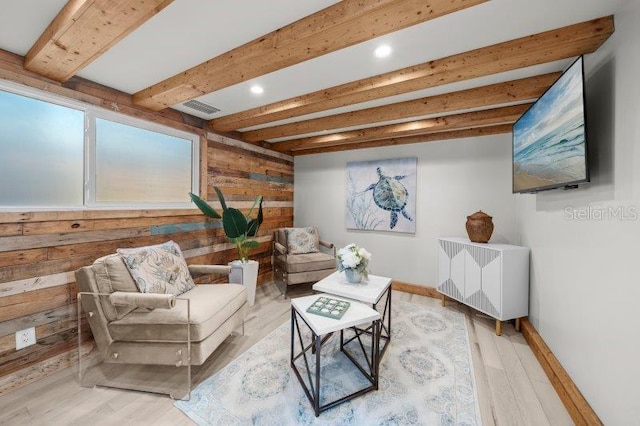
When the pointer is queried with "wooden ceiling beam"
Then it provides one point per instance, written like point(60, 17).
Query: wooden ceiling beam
point(336, 27)
point(82, 31)
point(562, 43)
point(495, 94)
point(421, 127)
point(432, 137)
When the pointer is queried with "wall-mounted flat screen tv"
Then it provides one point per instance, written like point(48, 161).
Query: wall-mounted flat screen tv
point(549, 140)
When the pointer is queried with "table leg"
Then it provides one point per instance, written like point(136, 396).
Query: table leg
point(313, 389)
point(324, 340)
point(385, 320)
point(377, 355)
point(498, 328)
point(293, 314)
point(316, 398)
point(388, 317)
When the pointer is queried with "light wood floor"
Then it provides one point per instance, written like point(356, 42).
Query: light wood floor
point(512, 387)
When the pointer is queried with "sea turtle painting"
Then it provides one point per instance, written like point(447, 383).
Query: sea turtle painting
point(391, 195)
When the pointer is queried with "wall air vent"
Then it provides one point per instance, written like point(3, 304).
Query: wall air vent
point(201, 106)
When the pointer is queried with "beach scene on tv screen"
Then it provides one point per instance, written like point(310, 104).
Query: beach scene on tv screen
point(549, 139)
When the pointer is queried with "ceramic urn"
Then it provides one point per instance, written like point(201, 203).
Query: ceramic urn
point(479, 227)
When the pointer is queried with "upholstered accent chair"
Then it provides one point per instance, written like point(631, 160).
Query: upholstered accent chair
point(149, 341)
point(300, 256)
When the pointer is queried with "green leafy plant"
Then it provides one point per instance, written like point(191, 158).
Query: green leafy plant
point(237, 227)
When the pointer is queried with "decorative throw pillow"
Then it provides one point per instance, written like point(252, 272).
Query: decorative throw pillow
point(302, 240)
point(158, 269)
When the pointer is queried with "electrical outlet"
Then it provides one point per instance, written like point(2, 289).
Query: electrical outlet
point(26, 337)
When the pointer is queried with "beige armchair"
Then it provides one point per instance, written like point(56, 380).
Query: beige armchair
point(297, 263)
point(148, 341)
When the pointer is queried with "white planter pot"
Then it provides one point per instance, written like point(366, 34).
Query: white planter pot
point(247, 275)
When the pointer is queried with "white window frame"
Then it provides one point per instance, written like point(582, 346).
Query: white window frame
point(91, 113)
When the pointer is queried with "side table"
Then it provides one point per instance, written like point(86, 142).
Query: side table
point(357, 314)
point(375, 291)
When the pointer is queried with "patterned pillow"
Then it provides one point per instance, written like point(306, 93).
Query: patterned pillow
point(302, 240)
point(158, 269)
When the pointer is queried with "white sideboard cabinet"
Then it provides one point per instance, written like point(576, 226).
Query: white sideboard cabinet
point(492, 278)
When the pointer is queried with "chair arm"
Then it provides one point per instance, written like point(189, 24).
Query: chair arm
point(209, 269)
point(326, 244)
point(143, 300)
point(329, 245)
point(279, 248)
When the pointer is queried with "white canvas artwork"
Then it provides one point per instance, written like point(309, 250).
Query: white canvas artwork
point(381, 195)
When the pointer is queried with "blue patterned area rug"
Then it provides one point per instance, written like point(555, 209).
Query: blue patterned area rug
point(426, 378)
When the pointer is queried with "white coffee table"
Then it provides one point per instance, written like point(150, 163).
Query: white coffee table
point(358, 314)
point(370, 291)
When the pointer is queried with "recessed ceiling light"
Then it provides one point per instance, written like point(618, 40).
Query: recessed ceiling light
point(257, 90)
point(382, 51)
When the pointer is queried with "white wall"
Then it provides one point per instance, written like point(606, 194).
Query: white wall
point(585, 282)
point(454, 179)
point(585, 274)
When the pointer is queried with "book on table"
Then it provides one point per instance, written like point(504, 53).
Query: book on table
point(328, 307)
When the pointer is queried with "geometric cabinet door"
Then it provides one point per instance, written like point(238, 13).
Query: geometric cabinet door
point(482, 279)
point(451, 264)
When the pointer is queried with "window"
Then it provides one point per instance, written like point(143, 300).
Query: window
point(138, 165)
point(41, 153)
point(56, 153)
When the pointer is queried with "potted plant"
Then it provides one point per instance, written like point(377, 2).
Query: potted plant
point(239, 229)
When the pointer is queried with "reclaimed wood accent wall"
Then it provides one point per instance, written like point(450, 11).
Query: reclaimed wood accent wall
point(40, 250)
point(243, 171)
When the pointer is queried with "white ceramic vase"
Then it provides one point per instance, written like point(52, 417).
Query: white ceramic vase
point(353, 276)
point(245, 273)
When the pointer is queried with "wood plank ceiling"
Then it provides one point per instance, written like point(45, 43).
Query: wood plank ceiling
point(85, 29)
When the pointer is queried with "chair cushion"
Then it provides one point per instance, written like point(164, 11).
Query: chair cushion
point(210, 306)
point(302, 240)
point(158, 269)
point(309, 262)
point(112, 275)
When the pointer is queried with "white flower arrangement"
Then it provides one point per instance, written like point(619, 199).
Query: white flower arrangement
point(353, 257)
